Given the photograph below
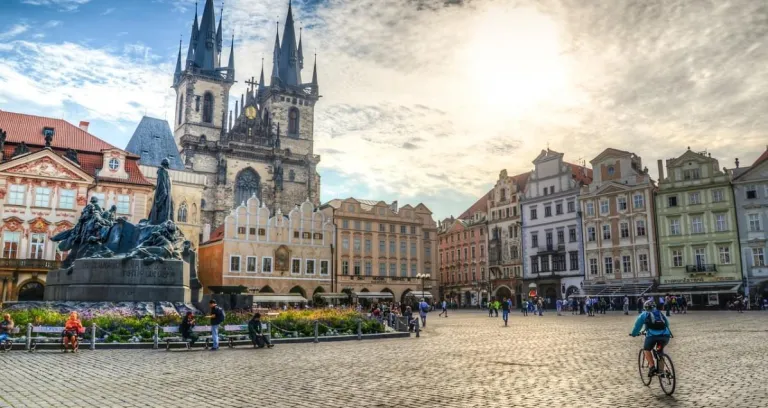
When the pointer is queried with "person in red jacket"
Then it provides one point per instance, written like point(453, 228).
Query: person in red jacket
point(72, 328)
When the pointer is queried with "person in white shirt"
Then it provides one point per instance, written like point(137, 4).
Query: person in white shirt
point(445, 309)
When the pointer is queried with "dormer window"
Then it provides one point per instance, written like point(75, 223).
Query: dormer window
point(48, 132)
point(114, 164)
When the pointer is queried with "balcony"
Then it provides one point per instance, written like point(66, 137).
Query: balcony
point(701, 268)
point(44, 264)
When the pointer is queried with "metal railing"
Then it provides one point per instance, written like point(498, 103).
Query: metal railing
point(701, 268)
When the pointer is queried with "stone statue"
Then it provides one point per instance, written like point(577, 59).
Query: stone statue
point(221, 176)
point(162, 205)
point(86, 239)
point(163, 243)
point(3, 136)
point(276, 135)
point(71, 154)
point(20, 149)
point(278, 174)
point(48, 134)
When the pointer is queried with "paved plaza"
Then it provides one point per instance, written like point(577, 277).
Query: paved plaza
point(466, 360)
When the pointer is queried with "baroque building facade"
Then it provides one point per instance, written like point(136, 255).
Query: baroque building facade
point(49, 170)
point(696, 222)
point(553, 255)
point(505, 265)
point(265, 147)
point(619, 226)
point(463, 257)
point(382, 250)
point(750, 189)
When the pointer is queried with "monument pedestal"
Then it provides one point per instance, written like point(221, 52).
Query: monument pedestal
point(116, 280)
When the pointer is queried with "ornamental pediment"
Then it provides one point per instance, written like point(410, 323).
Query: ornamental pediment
point(44, 164)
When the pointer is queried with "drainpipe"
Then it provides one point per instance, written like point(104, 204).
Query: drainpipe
point(744, 274)
point(657, 247)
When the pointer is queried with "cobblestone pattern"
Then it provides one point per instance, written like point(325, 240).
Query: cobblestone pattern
point(466, 360)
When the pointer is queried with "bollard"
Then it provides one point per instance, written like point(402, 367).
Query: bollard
point(157, 337)
point(417, 327)
point(359, 329)
point(29, 336)
point(317, 330)
point(93, 336)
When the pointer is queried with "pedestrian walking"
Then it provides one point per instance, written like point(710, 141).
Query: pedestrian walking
point(626, 305)
point(490, 308)
point(423, 310)
point(524, 307)
point(505, 306)
point(559, 306)
point(445, 309)
point(496, 306)
point(540, 306)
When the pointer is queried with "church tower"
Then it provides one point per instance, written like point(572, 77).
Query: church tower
point(262, 148)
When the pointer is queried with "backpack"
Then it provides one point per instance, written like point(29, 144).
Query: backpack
point(654, 321)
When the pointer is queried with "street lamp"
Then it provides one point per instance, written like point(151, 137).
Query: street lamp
point(423, 277)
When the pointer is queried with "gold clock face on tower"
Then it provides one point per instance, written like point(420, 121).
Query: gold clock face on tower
point(250, 112)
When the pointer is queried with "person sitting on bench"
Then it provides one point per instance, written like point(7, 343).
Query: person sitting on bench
point(256, 334)
point(72, 329)
point(6, 327)
point(185, 329)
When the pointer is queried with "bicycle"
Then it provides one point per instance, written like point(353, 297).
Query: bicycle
point(666, 375)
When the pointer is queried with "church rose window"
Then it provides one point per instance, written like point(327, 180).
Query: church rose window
point(208, 107)
point(247, 184)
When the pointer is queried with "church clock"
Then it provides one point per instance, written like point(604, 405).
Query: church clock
point(250, 112)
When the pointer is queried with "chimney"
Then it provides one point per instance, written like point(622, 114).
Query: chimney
point(84, 125)
point(737, 162)
point(393, 206)
point(661, 170)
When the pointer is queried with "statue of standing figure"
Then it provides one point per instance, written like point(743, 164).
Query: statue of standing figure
point(162, 207)
point(278, 174)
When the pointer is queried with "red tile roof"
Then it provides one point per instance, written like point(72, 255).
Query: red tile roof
point(580, 173)
point(216, 235)
point(763, 157)
point(480, 205)
point(29, 129)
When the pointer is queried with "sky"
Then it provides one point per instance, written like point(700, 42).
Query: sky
point(425, 100)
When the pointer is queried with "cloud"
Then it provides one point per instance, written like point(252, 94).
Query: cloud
point(63, 5)
point(52, 24)
point(14, 31)
point(108, 11)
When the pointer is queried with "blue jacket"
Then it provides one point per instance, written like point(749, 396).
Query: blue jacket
point(640, 322)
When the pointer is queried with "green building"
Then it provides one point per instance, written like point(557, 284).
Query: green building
point(698, 234)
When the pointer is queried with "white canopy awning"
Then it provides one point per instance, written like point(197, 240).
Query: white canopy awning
point(373, 295)
point(420, 294)
point(273, 298)
point(333, 295)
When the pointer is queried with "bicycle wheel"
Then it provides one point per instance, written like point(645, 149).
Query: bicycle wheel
point(643, 368)
point(667, 380)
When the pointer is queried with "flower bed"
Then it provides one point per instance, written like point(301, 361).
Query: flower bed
point(120, 326)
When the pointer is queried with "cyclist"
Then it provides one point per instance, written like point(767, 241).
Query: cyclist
point(657, 331)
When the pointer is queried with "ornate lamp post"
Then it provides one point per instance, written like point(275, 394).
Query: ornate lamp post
point(423, 277)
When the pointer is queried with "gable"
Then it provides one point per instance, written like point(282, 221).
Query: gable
point(610, 187)
point(610, 153)
point(754, 173)
point(45, 164)
point(688, 156)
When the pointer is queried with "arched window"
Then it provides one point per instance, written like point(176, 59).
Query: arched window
point(208, 107)
point(181, 107)
point(293, 122)
point(31, 291)
point(247, 184)
point(182, 214)
point(292, 175)
point(194, 213)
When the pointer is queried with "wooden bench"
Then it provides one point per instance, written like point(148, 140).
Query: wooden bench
point(8, 343)
point(34, 340)
point(178, 340)
point(231, 334)
point(241, 336)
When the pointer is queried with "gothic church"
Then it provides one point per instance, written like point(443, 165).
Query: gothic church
point(265, 149)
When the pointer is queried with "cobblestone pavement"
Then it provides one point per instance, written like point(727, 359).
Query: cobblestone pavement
point(466, 360)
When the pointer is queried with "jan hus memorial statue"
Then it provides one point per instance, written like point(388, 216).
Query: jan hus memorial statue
point(111, 259)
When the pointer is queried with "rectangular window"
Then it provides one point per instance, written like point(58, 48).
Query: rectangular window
point(402, 248)
point(758, 257)
point(721, 223)
point(345, 224)
point(382, 269)
point(626, 264)
point(547, 211)
point(37, 246)
point(560, 237)
point(413, 249)
point(593, 266)
point(382, 228)
point(533, 214)
point(751, 191)
point(391, 228)
point(368, 268)
point(590, 207)
point(357, 268)
point(426, 234)
point(591, 235)
point(697, 225)
point(574, 260)
point(640, 224)
point(403, 269)
point(754, 222)
point(345, 244)
point(252, 231)
point(413, 269)
point(725, 255)
point(482, 249)
point(367, 225)
point(473, 252)
point(692, 174)
point(677, 258)
point(571, 206)
point(16, 194)
point(250, 264)
point(413, 230)
point(296, 266)
point(608, 264)
point(357, 245)
point(392, 269)
point(545, 263)
point(67, 199)
point(241, 231)
point(549, 239)
point(638, 200)
point(403, 229)
point(558, 209)
point(621, 203)
point(345, 267)
point(558, 262)
point(124, 204)
point(603, 206)
point(674, 227)
point(234, 263)
point(357, 225)
point(266, 264)
point(309, 266)
point(717, 196)
point(700, 255)
point(465, 254)
point(382, 247)
point(535, 264)
point(427, 252)
point(672, 201)
point(642, 262)
point(324, 267)
point(606, 231)
point(694, 198)
point(42, 197)
point(624, 229)
point(392, 247)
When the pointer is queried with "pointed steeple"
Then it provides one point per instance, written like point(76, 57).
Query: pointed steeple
point(290, 73)
point(192, 41)
point(231, 64)
point(219, 38)
point(262, 87)
point(206, 49)
point(275, 59)
point(301, 53)
point(315, 87)
point(177, 73)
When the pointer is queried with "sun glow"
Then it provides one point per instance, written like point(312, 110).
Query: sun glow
point(513, 61)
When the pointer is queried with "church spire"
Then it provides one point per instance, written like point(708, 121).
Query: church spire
point(262, 87)
point(206, 49)
point(231, 65)
point(315, 87)
point(219, 38)
point(192, 41)
point(275, 57)
point(177, 73)
point(301, 53)
point(290, 73)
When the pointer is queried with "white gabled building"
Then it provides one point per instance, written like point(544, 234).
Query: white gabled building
point(553, 255)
